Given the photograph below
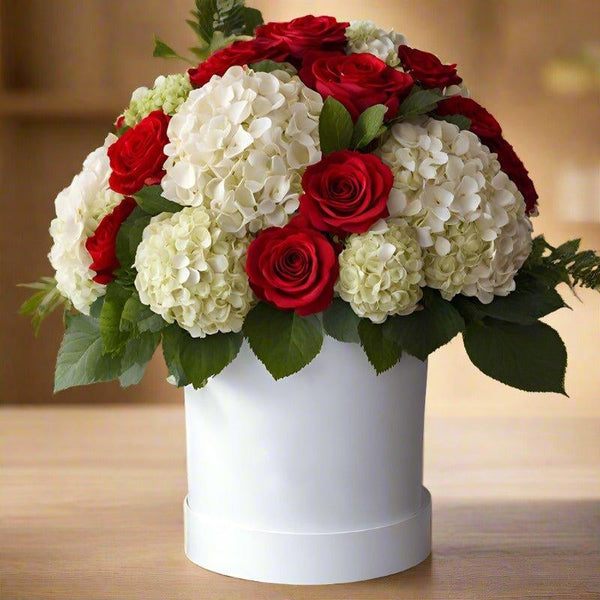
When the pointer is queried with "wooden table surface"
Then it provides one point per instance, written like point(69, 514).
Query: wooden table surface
point(91, 509)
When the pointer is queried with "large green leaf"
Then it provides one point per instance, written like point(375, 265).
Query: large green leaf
point(110, 318)
point(139, 317)
point(382, 351)
point(151, 201)
point(283, 341)
point(137, 354)
point(130, 236)
point(195, 360)
point(335, 126)
point(341, 322)
point(81, 359)
point(528, 357)
point(528, 303)
point(368, 126)
point(424, 331)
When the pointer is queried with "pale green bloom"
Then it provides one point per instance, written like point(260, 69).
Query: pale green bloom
point(168, 94)
point(381, 273)
point(192, 272)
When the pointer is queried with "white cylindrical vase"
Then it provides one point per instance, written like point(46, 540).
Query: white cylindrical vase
point(312, 479)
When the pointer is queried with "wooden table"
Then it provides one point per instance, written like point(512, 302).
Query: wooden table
point(91, 509)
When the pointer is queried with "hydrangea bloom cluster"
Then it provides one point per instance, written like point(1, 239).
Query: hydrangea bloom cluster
point(306, 167)
point(79, 209)
point(167, 94)
point(239, 146)
point(469, 217)
point(192, 272)
point(365, 36)
point(381, 274)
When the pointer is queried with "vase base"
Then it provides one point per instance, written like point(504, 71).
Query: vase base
point(308, 559)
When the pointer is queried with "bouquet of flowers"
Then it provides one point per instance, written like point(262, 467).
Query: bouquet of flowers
point(306, 178)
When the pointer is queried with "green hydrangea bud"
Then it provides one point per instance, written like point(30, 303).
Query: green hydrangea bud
point(168, 94)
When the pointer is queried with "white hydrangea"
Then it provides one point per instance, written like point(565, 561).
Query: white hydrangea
point(381, 273)
point(365, 36)
point(79, 209)
point(192, 272)
point(239, 146)
point(469, 217)
point(167, 94)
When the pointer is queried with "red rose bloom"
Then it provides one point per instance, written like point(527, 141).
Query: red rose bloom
point(346, 192)
point(137, 157)
point(293, 267)
point(239, 53)
point(483, 124)
point(512, 165)
point(102, 246)
point(357, 81)
point(307, 33)
point(427, 69)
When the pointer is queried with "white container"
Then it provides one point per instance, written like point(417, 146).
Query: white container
point(313, 479)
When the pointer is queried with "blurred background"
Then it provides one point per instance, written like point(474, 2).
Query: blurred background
point(67, 69)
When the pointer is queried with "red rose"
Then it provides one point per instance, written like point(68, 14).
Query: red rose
point(293, 267)
point(239, 53)
point(346, 192)
point(483, 124)
point(357, 81)
point(427, 69)
point(307, 33)
point(102, 246)
point(512, 165)
point(137, 157)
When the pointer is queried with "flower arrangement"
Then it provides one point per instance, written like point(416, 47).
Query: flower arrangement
point(307, 178)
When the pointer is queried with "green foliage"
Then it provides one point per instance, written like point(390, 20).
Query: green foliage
point(113, 339)
point(45, 300)
point(283, 341)
point(382, 350)
point(424, 331)
point(460, 121)
point(139, 318)
point(335, 126)
point(419, 102)
point(81, 359)
point(195, 360)
point(368, 126)
point(565, 263)
point(128, 239)
point(217, 23)
point(528, 357)
point(530, 301)
point(152, 202)
point(268, 66)
point(137, 354)
point(341, 322)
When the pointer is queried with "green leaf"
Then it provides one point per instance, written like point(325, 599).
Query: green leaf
point(130, 235)
point(96, 307)
point(341, 322)
point(368, 126)
point(460, 121)
point(530, 301)
point(418, 103)
point(43, 302)
point(424, 331)
point(138, 352)
point(139, 317)
point(205, 18)
point(382, 351)
point(113, 338)
point(335, 126)
point(81, 359)
point(528, 357)
point(151, 201)
point(268, 66)
point(283, 341)
point(173, 339)
point(194, 360)
point(252, 19)
point(162, 50)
